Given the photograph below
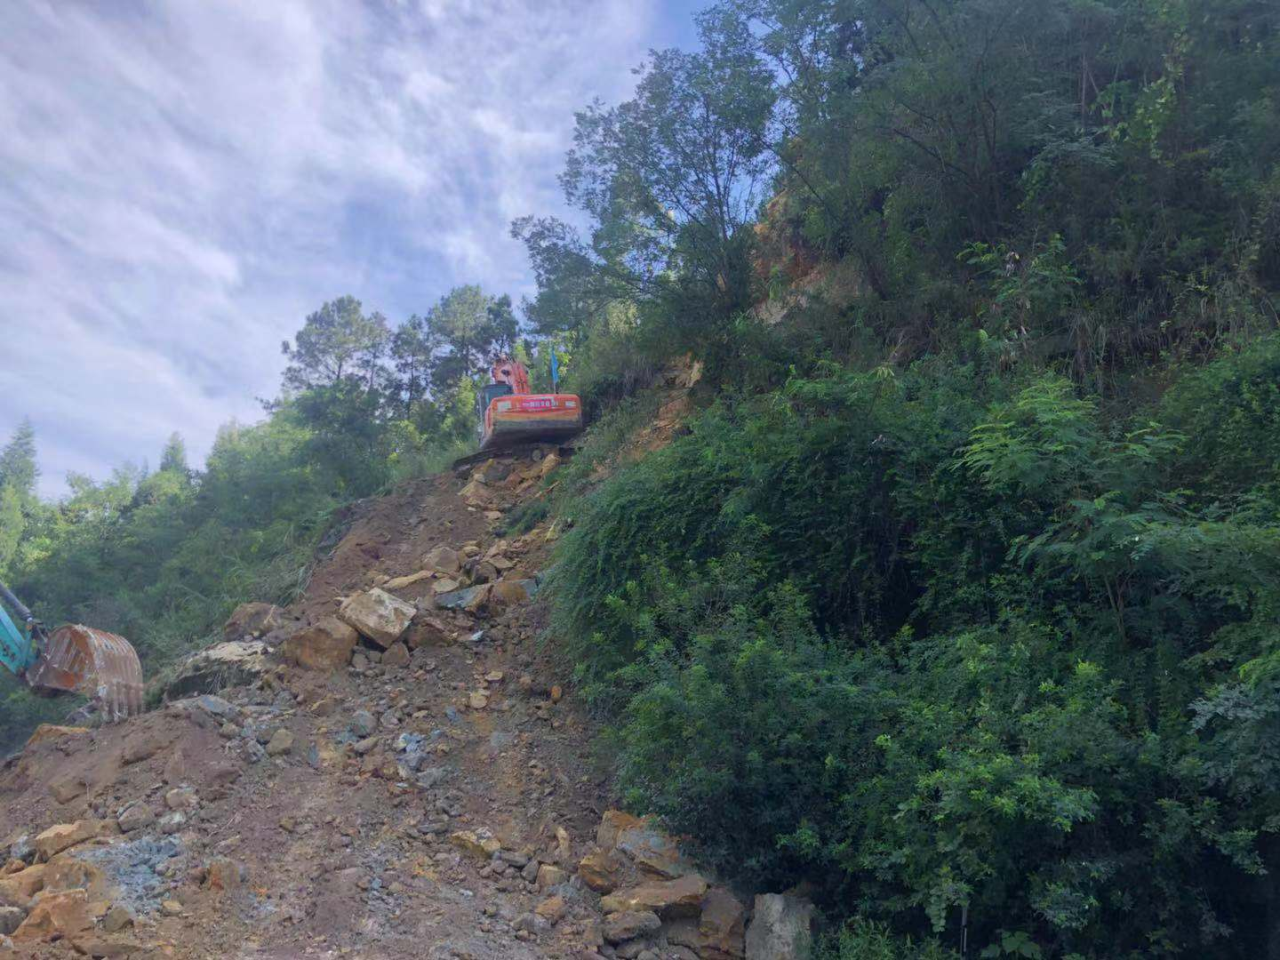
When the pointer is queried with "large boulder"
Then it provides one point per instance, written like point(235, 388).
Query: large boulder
point(325, 645)
point(602, 870)
point(476, 494)
point(781, 928)
point(721, 926)
point(251, 620)
point(378, 616)
point(239, 663)
point(58, 916)
point(653, 851)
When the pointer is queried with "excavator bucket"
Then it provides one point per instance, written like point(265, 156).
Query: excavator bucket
point(97, 664)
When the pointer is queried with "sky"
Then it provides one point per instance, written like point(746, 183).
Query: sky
point(185, 180)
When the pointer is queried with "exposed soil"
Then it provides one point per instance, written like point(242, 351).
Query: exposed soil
point(346, 846)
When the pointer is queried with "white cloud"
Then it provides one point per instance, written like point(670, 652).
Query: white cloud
point(185, 180)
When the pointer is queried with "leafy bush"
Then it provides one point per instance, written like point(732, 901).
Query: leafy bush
point(943, 646)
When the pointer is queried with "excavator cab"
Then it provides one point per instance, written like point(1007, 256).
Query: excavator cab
point(72, 659)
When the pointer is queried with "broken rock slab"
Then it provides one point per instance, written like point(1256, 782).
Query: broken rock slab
point(64, 836)
point(653, 851)
point(443, 559)
point(378, 616)
point(721, 926)
point(488, 595)
point(56, 916)
point(239, 663)
point(669, 899)
point(621, 927)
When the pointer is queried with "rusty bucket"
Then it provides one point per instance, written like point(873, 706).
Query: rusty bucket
point(100, 665)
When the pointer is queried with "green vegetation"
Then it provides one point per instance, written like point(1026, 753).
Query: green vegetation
point(960, 602)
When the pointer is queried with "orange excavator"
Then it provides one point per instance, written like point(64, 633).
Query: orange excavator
point(510, 415)
point(71, 659)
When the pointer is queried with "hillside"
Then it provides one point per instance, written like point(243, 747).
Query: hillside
point(914, 592)
point(432, 799)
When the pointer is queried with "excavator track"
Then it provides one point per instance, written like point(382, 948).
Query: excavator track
point(564, 450)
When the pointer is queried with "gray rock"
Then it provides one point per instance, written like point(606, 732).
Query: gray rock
point(363, 724)
point(630, 925)
point(136, 816)
point(240, 663)
point(117, 918)
point(10, 919)
point(781, 928)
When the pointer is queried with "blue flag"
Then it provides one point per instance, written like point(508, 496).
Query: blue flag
point(555, 372)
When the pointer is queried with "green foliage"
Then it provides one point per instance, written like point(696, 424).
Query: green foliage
point(946, 644)
point(865, 940)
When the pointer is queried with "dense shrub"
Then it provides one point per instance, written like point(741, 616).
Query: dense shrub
point(945, 645)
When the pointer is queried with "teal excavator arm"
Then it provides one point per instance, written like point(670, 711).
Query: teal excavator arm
point(19, 645)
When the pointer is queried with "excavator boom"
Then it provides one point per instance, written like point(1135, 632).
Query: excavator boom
point(73, 659)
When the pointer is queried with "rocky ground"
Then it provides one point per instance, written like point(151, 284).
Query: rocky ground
point(389, 768)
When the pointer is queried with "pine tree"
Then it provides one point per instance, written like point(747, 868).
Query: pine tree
point(18, 468)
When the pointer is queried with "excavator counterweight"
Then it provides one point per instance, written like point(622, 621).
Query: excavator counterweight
point(73, 659)
point(510, 414)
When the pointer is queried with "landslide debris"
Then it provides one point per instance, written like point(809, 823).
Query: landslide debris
point(389, 768)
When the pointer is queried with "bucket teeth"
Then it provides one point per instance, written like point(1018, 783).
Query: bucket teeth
point(97, 664)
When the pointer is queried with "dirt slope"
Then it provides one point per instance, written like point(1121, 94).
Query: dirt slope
point(346, 846)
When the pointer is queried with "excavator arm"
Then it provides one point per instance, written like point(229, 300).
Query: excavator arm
point(18, 645)
point(73, 659)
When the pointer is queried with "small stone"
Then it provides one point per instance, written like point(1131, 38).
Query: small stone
point(397, 655)
point(172, 823)
point(556, 694)
point(549, 876)
point(552, 909)
point(136, 816)
point(171, 908)
point(363, 723)
point(118, 918)
point(477, 701)
point(281, 742)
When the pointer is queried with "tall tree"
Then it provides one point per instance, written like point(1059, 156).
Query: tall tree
point(465, 324)
point(337, 344)
point(173, 459)
point(672, 176)
point(414, 346)
point(18, 468)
